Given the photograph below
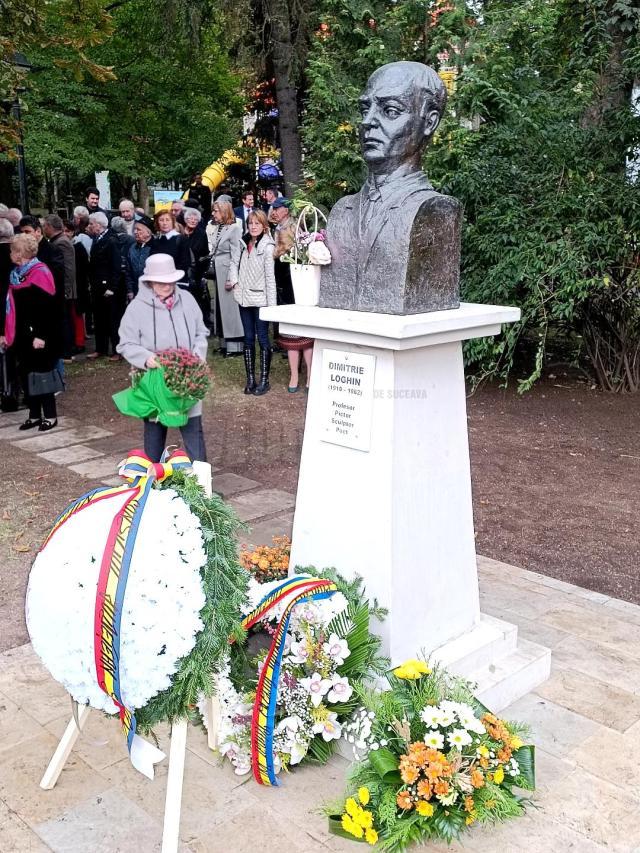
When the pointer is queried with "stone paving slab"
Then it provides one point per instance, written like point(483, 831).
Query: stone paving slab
point(112, 481)
point(16, 836)
point(13, 417)
point(257, 504)
point(61, 438)
point(262, 532)
point(11, 431)
point(104, 823)
point(96, 469)
point(230, 484)
point(70, 455)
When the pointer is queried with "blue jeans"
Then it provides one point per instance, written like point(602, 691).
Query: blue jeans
point(253, 326)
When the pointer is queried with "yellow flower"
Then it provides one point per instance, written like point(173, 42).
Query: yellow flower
point(345, 127)
point(364, 796)
point(371, 837)
point(498, 776)
point(412, 669)
point(470, 818)
point(351, 807)
point(364, 819)
point(516, 743)
point(483, 751)
point(349, 825)
point(424, 808)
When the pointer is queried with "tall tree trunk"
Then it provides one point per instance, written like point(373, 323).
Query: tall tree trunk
point(613, 86)
point(282, 52)
point(143, 194)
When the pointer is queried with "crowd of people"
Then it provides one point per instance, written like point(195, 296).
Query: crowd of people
point(63, 281)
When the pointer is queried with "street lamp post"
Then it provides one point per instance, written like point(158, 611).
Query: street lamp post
point(20, 61)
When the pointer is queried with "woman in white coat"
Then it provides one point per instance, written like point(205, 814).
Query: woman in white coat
point(254, 286)
point(224, 235)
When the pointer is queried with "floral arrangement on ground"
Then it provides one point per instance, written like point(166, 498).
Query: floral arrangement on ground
point(431, 762)
point(329, 656)
point(268, 562)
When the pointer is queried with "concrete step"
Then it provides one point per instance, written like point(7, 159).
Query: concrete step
point(503, 681)
point(489, 641)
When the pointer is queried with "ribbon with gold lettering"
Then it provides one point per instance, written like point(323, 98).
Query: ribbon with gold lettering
point(297, 590)
point(140, 474)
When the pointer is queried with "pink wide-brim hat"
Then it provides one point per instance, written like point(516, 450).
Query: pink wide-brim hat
point(161, 268)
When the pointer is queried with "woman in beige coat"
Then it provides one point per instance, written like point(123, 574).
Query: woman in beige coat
point(224, 234)
point(254, 286)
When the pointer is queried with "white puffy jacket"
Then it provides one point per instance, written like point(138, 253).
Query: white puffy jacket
point(251, 273)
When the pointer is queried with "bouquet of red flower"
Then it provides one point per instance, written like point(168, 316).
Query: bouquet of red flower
point(167, 392)
point(185, 374)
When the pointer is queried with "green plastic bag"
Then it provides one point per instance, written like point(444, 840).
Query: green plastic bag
point(150, 398)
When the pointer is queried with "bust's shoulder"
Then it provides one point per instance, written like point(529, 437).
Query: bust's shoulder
point(346, 202)
point(433, 201)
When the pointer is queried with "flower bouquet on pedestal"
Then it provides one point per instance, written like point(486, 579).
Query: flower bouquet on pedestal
point(167, 392)
point(432, 761)
point(308, 253)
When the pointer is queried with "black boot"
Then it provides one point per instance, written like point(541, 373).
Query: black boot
point(265, 365)
point(250, 367)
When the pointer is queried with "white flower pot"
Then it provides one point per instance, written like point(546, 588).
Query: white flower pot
point(305, 279)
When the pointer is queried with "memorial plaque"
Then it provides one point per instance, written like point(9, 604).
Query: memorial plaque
point(347, 398)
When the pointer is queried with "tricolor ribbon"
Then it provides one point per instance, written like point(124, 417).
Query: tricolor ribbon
point(297, 590)
point(140, 474)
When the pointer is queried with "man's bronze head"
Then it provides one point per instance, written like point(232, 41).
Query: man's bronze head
point(401, 108)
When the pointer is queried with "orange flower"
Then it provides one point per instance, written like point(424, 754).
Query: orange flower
point(441, 788)
point(434, 755)
point(484, 762)
point(433, 771)
point(404, 801)
point(418, 753)
point(477, 779)
point(468, 804)
point(424, 789)
point(504, 755)
point(409, 773)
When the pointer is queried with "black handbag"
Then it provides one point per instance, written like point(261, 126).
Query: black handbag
point(50, 382)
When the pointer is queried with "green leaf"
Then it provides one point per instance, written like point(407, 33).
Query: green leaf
point(526, 758)
point(385, 763)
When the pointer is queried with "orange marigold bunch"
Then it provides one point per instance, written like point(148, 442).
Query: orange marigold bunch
point(423, 770)
point(496, 728)
point(266, 562)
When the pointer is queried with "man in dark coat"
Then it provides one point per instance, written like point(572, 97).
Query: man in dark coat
point(107, 295)
point(245, 209)
point(201, 193)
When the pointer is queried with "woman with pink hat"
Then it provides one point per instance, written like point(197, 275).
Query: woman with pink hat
point(163, 316)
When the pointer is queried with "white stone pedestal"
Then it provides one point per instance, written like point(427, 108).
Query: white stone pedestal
point(384, 489)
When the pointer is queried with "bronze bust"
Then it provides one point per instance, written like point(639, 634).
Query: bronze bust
point(395, 245)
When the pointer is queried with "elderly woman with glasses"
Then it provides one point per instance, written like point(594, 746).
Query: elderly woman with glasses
point(196, 238)
point(163, 316)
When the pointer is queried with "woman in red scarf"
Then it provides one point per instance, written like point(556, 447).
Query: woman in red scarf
point(28, 329)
